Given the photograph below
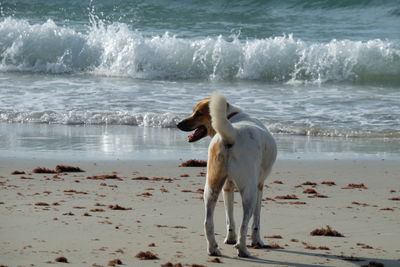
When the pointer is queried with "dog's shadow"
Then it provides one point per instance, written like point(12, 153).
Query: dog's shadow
point(355, 260)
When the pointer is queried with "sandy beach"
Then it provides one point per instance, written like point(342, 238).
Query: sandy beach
point(117, 209)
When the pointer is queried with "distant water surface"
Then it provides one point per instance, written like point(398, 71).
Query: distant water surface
point(315, 68)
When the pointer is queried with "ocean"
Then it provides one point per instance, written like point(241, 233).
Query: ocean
point(327, 70)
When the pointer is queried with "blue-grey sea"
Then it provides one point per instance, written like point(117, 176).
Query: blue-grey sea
point(323, 75)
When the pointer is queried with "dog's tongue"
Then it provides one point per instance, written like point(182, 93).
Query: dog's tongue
point(198, 134)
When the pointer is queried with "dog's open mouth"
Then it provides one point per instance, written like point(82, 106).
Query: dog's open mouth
point(198, 134)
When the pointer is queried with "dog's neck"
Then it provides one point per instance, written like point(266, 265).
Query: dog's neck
point(230, 115)
point(232, 110)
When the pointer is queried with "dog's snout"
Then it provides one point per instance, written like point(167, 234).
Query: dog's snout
point(180, 125)
point(185, 125)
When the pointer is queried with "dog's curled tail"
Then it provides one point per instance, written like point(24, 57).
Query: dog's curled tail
point(219, 120)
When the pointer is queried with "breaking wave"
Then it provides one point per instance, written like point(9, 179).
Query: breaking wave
point(116, 50)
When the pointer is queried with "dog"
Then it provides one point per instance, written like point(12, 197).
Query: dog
point(241, 153)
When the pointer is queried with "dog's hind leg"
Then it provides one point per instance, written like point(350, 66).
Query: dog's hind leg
point(256, 239)
point(249, 203)
point(229, 188)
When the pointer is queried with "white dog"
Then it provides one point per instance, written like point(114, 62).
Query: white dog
point(241, 153)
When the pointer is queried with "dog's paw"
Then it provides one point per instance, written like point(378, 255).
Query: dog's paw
point(214, 252)
point(230, 239)
point(258, 244)
point(242, 251)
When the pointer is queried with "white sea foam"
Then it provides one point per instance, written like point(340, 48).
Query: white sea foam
point(43, 48)
point(167, 120)
point(170, 120)
point(116, 50)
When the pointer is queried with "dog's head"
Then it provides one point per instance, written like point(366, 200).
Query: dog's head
point(199, 122)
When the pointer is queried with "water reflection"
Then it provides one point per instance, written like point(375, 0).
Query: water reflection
point(97, 141)
point(137, 143)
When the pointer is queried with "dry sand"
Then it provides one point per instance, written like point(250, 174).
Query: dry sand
point(90, 222)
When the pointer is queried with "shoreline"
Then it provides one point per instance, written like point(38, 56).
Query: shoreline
point(168, 212)
point(121, 142)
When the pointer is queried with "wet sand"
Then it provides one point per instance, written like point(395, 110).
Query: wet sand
point(117, 209)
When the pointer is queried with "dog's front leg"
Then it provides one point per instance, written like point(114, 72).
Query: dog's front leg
point(210, 200)
point(216, 177)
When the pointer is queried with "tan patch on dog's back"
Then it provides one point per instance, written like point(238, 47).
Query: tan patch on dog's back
point(216, 167)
